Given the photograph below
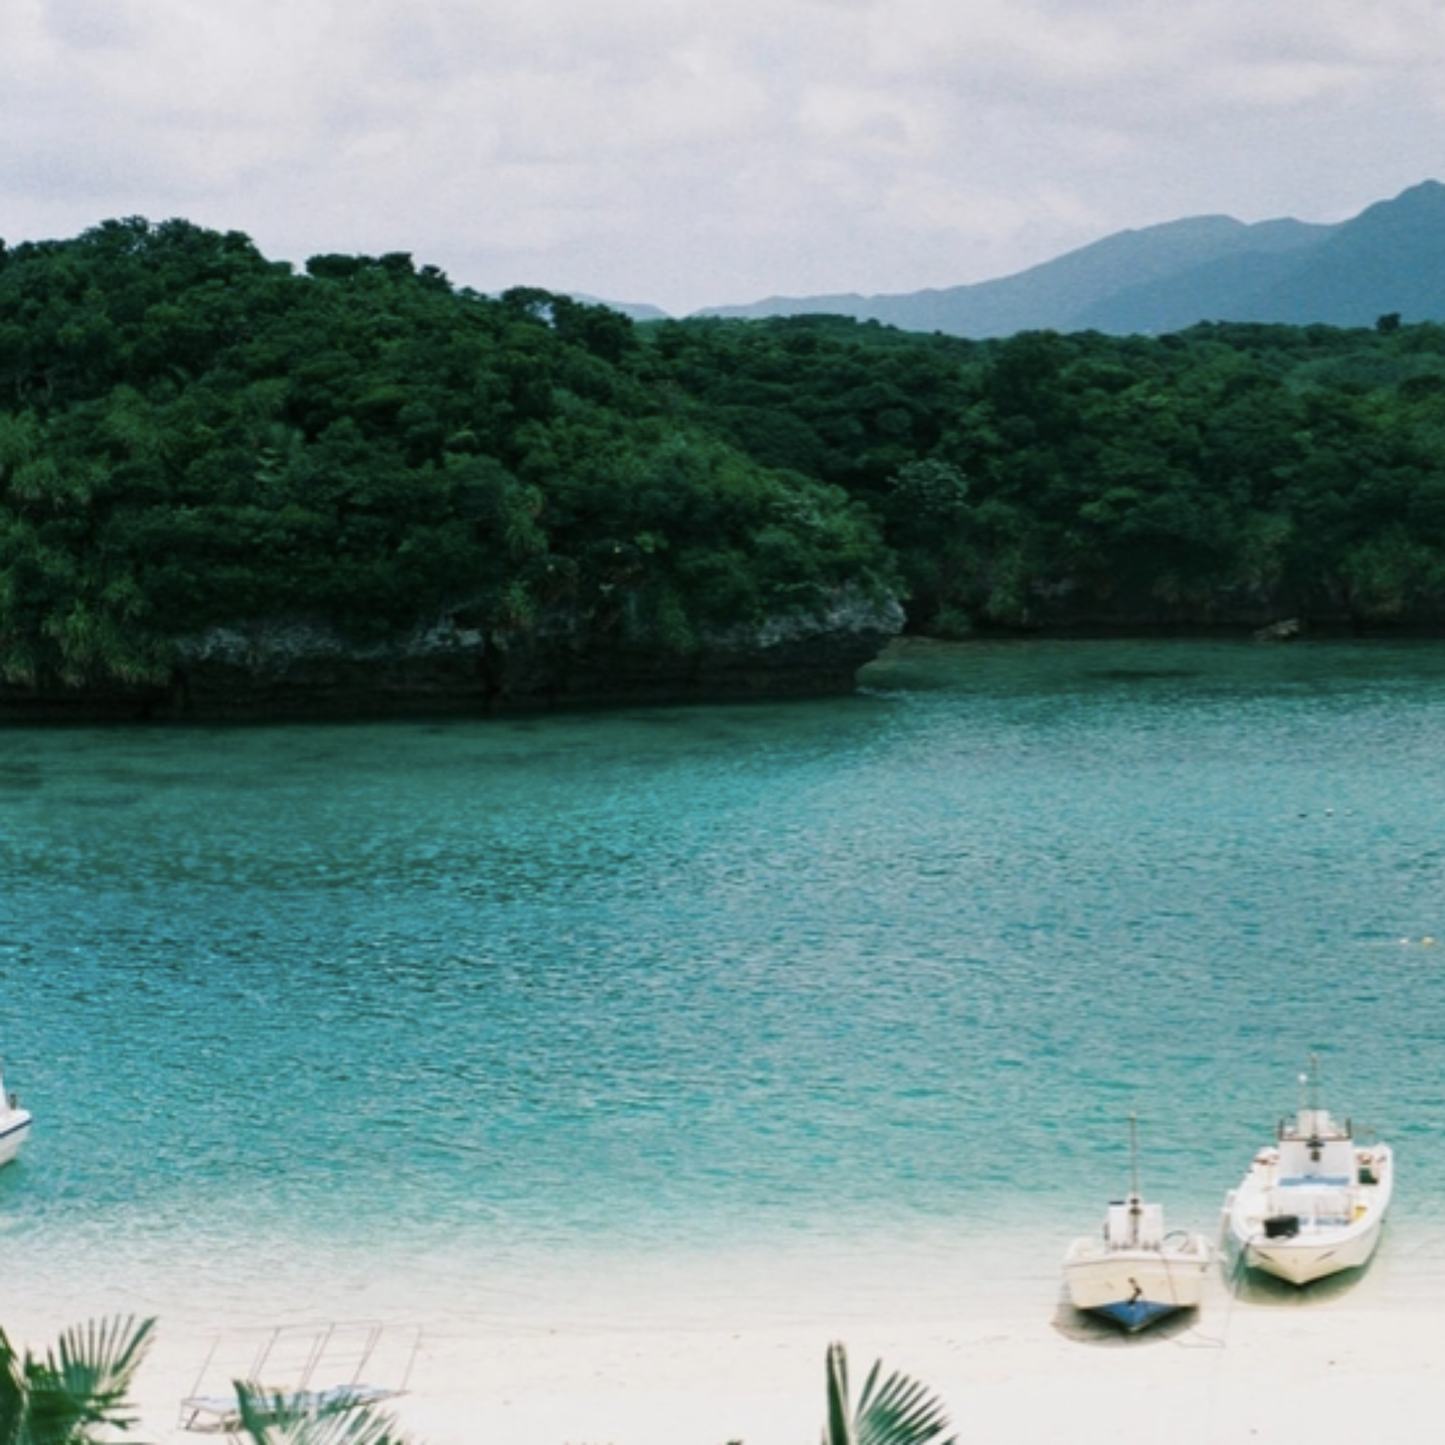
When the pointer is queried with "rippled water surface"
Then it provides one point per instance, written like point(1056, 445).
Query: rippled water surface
point(471, 1006)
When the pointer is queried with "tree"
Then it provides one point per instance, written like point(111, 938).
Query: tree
point(78, 1388)
point(898, 1412)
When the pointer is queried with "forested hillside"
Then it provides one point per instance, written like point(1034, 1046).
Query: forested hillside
point(193, 436)
point(1224, 476)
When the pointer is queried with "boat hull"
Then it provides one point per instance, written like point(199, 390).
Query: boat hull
point(1134, 1288)
point(14, 1130)
point(1131, 1316)
point(1324, 1253)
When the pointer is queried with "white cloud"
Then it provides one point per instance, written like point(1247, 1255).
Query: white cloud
point(688, 152)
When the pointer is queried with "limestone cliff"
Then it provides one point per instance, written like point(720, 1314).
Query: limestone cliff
point(280, 668)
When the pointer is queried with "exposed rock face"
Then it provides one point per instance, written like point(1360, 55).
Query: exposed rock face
point(294, 668)
point(1284, 631)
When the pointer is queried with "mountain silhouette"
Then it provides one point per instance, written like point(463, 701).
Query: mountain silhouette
point(1388, 259)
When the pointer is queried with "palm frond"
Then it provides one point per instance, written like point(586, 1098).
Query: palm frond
point(102, 1357)
point(81, 1385)
point(12, 1393)
point(894, 1411)
point(839, 1428)
point(269, 1418)
point(900, 1411)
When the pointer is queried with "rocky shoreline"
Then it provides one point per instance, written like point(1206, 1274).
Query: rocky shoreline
point(283, 669)
point(292, 669)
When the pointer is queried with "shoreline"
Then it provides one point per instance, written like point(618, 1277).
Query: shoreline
point(1013, 1364)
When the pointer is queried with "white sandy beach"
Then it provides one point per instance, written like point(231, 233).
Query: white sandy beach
point(1285, 1375)
point(1014, 1366)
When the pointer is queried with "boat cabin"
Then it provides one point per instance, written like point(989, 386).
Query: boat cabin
point(1316, 1149)
point(1132, 1224)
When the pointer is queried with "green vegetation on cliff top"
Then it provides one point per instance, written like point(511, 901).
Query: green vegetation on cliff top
point(193, 435)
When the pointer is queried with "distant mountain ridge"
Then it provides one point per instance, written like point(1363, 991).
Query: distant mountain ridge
point(1390, 258)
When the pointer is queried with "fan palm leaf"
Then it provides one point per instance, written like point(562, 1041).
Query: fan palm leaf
point(268, 1418)
point(892, 1411)
point(80, 1386)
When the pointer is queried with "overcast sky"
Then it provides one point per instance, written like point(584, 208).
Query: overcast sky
point(699, 152)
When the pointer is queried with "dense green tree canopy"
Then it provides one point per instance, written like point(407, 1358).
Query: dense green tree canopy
point(1225, 473)
point(192, 434)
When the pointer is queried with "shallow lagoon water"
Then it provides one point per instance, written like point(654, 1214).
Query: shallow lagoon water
point(507, 1018)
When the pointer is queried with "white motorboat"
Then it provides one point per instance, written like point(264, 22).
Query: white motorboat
point(14, 1124)
point(1135, 1273)
point(1314, 1202)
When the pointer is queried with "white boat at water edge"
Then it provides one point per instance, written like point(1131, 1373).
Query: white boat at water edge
point(1313, 1203)
point(1136, 1273)
point(14, 1123)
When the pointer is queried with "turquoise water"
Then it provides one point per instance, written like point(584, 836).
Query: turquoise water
point(465, 1014)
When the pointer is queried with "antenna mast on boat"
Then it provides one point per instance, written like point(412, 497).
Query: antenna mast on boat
point(1134, 1159)
point(1314, 1141)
